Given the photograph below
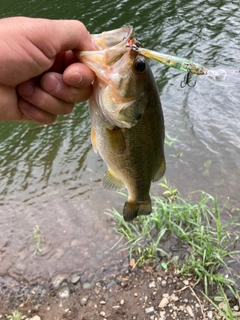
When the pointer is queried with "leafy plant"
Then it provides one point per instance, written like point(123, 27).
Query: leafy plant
point(198, 224)
point(16, 315)
point(37, 237)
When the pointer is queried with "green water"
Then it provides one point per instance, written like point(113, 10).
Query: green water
point(51, 177)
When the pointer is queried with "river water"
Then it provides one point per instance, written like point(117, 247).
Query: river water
point(50, 176)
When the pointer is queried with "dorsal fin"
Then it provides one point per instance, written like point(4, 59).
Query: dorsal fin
point(110, 181)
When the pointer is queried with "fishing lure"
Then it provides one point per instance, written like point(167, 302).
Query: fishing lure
point(172, 61)
point(221, 76)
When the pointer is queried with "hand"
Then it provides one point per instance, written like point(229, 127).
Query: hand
point(40, 77)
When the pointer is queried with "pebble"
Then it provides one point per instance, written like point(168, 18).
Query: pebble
point(173, 297)
point(122, 302)
point(186, 282)
point(64, 292)
point(135, 294)
point(102, 313)
point(190, 312)
point(152, 284)
point(75, 278)
point(210, 315)
point(86, 285)
point(163, 303)
point(35, 318)
point(102, 302)
point(83, 299)
point(57, 281)
point(164, 283)
point(149, 310)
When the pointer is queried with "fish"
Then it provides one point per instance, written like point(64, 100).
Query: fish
point(127, 123)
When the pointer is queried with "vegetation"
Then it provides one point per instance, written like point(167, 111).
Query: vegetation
point(37, 237)
point(16, 315)
point(197, 224)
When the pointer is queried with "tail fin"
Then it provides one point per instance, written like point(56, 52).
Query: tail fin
point(132, 210)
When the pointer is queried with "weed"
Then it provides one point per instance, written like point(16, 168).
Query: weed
point(170, 140)
point(196, 224)
point(37, 237)
point(16, 315)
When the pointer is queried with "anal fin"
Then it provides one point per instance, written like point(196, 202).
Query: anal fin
point(160, 171)
point(110, 181)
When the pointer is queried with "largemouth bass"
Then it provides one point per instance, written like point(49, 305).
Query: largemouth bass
point(127, 124)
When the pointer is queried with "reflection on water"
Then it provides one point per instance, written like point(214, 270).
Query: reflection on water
point(50, 177)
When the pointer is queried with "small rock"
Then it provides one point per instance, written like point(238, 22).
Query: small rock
point(35, 318)
point(122, 302)
point(152, 284)
point(135, 294)
point(173, 297)
point(163, 303)
point(186, 282)
point(132, 262)
point(165, 295)
point(149, 310)
point(102, 302)
point(64, 292)
point(83, 299)
point(57, 281)
point(236, 308)
point(164, 283)
point(35, 308)
point(86, 285)
point(190, 312)
point(210, 315)
point(102, 313)
point(124, 284)
point(75, 278)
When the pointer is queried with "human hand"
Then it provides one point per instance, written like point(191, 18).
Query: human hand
point(40, 77)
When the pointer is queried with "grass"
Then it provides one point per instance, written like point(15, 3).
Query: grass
point(16, 315)
point(197, 224)
point(37, 237)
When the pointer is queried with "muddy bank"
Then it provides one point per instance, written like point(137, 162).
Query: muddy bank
point(125, 293)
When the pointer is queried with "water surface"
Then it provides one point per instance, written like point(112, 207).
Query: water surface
point(50, 176)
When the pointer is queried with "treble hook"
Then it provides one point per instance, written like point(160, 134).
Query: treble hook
point(186, 81)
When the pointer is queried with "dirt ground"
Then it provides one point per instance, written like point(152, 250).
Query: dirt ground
point(135, 293)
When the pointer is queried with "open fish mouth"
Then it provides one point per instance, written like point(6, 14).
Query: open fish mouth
point(111, 46)
point(118, 38)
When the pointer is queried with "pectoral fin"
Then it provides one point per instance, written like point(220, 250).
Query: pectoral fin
point(94, 139)
point(160, 171)
point(116, 140)
point(110, 181)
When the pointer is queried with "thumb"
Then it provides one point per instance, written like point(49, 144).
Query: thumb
point(70, 34)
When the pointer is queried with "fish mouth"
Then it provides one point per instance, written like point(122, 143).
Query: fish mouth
point(114, 39)
point(111, 46)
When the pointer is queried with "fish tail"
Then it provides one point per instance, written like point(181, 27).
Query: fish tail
point(132, 210)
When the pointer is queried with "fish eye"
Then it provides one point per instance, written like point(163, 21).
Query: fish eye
point(140, 65)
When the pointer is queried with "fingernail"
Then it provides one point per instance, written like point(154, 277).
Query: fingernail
point(51, 84)
point(25, 89)
point(75, 79)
